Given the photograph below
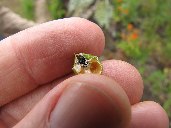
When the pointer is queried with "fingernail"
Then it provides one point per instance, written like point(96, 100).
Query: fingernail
point(84, 106)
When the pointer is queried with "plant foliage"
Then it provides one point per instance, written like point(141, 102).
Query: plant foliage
point(28, 8)
point(56, 8)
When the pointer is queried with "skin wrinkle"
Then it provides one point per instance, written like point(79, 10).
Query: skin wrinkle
point(6, 91)
point(58, 46)
point(22, 61)
point(45, 50)
point(35, 60)
point(7, 117)
point(3, 58)
point(38, 60)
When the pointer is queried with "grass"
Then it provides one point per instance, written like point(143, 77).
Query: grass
point(28, 8)
point(56, 8)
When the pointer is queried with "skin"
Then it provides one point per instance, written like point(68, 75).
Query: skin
point(38, 90)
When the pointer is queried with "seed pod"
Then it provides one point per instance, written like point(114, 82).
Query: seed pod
point(86, 63)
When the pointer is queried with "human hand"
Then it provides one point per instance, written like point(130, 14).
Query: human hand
point(37, 91)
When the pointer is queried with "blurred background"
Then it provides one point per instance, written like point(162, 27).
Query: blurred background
point(136, 31)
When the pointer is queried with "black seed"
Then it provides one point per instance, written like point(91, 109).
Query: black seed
point(82, 60)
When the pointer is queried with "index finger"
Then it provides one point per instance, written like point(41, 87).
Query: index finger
point(43, 53)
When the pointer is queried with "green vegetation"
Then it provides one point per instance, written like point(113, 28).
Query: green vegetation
point(144, 37)
point(28, 9)
point(56, 8)
point(161, 87)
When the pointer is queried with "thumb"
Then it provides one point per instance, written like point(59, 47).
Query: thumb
point(82, 101)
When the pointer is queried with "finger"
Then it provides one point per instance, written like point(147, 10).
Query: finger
point(127, 76)
point(40, 54)
point(149, 115)
point(113, 68)
point(81, 101)
point(2, 124)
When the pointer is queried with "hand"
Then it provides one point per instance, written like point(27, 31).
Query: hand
point(35, 91)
